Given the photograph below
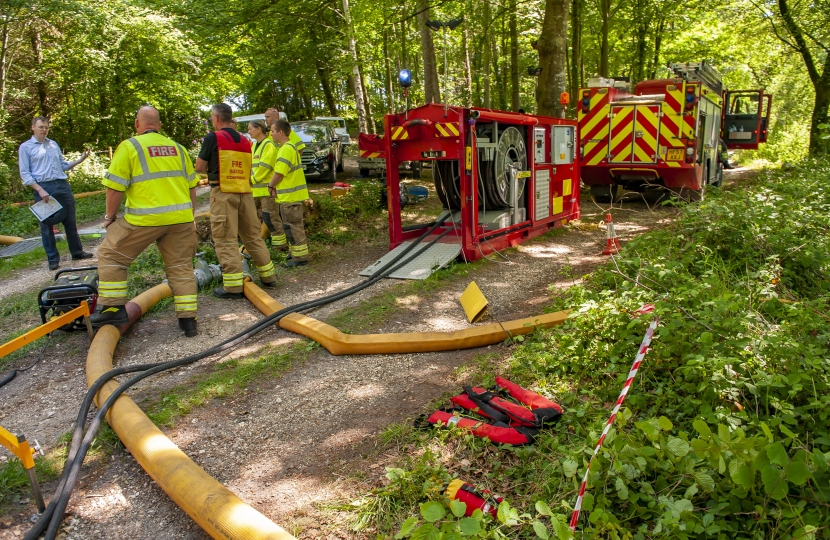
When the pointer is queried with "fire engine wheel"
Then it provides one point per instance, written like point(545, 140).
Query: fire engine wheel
point(511, 149)
point(447, 180)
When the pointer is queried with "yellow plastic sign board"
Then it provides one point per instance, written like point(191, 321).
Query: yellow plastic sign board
point(473, 302)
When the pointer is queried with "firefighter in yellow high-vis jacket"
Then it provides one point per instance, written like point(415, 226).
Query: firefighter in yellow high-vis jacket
point(157, 178)
point(262, 169)
point(289, 187)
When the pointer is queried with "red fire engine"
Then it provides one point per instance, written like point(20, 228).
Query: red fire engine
point(502, 177)
point(670, 133)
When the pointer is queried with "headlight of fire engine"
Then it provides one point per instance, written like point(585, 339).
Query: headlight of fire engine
point(690, 150)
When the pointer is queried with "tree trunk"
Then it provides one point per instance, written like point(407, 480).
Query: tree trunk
point(324, 82)
point(367, 101)
point(3, 51)
point(356, 85)
point(605, 16)
point(515, 97)
point(576, 46)
point(432, 90)
point(387, 66)
point(643, 22)
point(500, 68)
point(821, 107)
point(468, 75)
point(488, 32)
point(820, 80)
point(306, 99)
point(552, 52)
point(658, 41)
point(40, 82)
point(404, 63)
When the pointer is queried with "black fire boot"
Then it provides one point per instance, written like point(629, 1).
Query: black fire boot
point(220, 292)
point(188, 325)
point(115, 315)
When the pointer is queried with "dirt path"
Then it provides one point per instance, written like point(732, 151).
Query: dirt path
point(291, 444)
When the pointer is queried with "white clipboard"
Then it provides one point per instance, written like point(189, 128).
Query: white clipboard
point(43, 209)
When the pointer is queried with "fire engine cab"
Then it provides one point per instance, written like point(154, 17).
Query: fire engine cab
point(669, 134)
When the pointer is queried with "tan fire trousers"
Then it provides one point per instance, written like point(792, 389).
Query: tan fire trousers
point(292, 218)
point(269, 213)
point(124, 242)
point(232, 216)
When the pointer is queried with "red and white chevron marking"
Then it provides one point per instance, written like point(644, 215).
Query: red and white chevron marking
point(631, 374)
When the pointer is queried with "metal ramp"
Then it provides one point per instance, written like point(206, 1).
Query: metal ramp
point(24, 246)
point(434, 258)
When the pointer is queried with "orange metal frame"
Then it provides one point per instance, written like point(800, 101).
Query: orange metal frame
point(42, 330)
point(18, 447)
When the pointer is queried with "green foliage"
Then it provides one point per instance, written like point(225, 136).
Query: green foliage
point(725, 432)
point(342, 219)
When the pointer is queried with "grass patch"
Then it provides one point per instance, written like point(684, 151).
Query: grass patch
point(227, 379)
point(725, 431)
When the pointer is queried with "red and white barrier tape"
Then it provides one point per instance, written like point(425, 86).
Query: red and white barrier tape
point(631, 374)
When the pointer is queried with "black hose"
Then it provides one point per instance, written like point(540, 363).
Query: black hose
point(53, 515)
point(10, 377)
point(417, 226)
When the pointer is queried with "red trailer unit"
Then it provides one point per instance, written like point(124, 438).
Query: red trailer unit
point(502, 177)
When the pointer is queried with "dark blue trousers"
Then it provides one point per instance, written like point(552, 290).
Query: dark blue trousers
point(60, 191)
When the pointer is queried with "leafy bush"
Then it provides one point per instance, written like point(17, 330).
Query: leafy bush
point(725, 432)
point(339, 220)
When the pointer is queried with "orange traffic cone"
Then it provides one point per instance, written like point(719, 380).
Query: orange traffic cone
point(612, 244)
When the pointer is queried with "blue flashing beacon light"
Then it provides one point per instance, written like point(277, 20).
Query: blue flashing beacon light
point(405, 78)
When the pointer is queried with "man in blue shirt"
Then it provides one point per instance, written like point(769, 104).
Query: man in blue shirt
point(43, 169)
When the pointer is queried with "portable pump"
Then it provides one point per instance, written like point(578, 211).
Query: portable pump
point(72, 287)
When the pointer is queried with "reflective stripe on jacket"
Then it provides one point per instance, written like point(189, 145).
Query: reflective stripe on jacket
point(156, 175)
point(293, 187)
point(262, 166)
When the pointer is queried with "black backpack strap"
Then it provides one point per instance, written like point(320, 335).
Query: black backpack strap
point(481, 401)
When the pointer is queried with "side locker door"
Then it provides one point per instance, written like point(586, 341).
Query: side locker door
point(621, 135)
point(742, 119)
point(646, 133)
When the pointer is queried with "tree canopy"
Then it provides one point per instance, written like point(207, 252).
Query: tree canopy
point(89, 65)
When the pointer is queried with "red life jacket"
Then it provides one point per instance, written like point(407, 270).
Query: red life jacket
point(489, 405)
point(544, 409)
point(501, 434)
point(234, 163)
point(514, 407)
point(513, 415)
point(474, 499)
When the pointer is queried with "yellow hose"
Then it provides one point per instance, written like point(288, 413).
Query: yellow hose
point(338, 343)
point(214, 507)
point(9, 240)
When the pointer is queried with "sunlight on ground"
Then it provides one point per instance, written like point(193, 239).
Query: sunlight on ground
point(545, 252)
point(443, 324)
point(366, 391)
point(411, 300)
point(105, 504)
point(344, 438)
